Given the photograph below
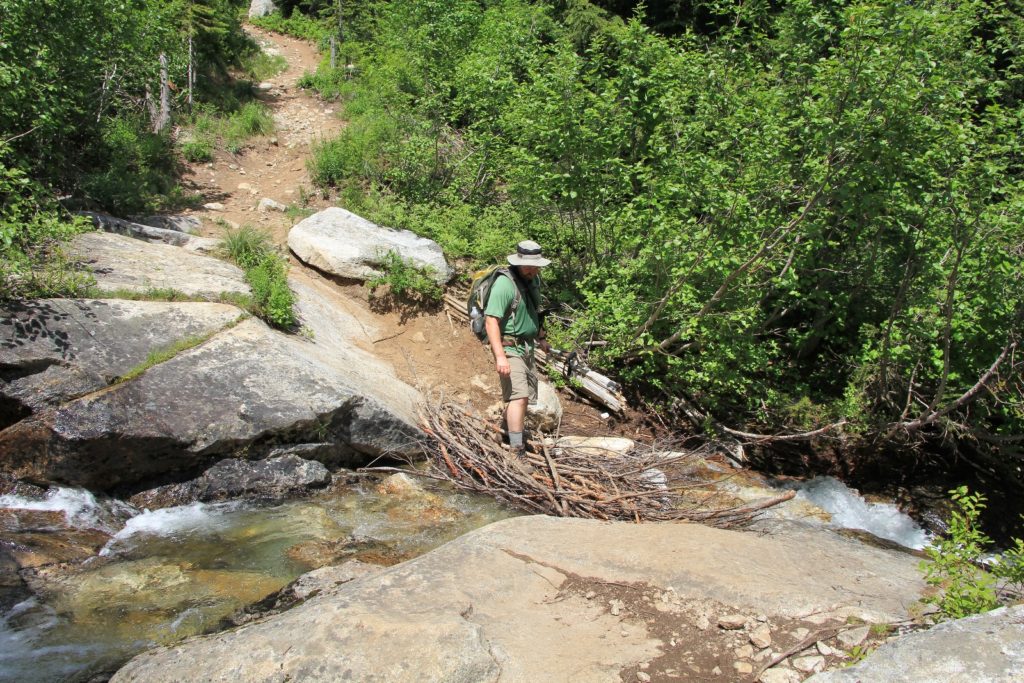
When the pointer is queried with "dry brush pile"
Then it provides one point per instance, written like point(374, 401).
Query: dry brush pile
point(638, 486)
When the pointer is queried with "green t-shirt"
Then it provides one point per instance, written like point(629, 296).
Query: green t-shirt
point(526, 323)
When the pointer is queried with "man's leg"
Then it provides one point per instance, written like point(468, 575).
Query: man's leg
point(515, 415)
point(516, 392)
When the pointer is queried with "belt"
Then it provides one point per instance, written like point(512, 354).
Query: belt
point(519, 341)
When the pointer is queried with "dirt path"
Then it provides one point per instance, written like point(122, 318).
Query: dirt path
point(428, 350)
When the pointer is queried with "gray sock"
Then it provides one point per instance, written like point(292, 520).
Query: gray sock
point(515, 439)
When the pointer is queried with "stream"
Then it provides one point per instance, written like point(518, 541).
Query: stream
point(172, 573)
point(168, 574)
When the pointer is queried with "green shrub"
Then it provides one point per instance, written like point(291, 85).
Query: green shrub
point(135, 168)
point(260, 66)
point(32, 231)
point(266, 271)
point(274, 300)
point(298, 25)
point(250, 121)
point(956, 562)
point(406, 281)
point(247, 246)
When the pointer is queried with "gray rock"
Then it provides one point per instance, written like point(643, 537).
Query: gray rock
point(341, 243)
point(153, 233)
point(484, 607)
point(248, 388)
point(213, 206)
point(268, 204)
point(809, 664)
point(986, 648)
point(779, 674)
point(119, 262)
point(546, 414)
point(853, 637)
point(261, 8)
point(192, 225)
point(55, 350)
point(761, 636)
point(731, 622)
point(244, 389)
point(269, 479)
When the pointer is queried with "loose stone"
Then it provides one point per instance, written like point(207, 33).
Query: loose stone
point(809, 664)
point(761, 636)
point(743, 667)
point(731, 622)
point(853, 637)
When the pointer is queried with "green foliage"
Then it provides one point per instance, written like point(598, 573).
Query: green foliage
point(33, 229)
point(956, 562)
point(250, 121)
point(296, 24)
point(261, 66)
point(405, 280)
point(266, 271)
point(247, 245)
point(273, 299)
point(795, 214)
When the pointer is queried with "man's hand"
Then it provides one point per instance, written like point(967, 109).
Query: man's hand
point(504, 369)
point(543, 345)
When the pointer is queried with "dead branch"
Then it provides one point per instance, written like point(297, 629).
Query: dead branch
point(566, 481)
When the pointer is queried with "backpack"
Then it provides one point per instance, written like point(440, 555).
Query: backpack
point(479, 290)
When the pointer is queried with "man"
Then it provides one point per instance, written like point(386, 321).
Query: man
point(514, 338)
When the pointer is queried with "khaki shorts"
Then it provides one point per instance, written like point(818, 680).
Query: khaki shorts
point(522, 381)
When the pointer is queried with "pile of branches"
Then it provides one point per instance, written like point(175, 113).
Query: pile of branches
point(571, 482)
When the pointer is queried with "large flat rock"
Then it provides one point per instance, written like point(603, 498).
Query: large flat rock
point(985, 648)
point(122, 263)
point(244, 391)
point(510, 602)
point(54, 350)
point(341, 243)
point(248, 389)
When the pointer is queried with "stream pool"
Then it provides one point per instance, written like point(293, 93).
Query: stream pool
point(172, 573)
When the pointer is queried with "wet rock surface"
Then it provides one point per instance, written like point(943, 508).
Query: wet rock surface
point(537, 598)
point(270, 480)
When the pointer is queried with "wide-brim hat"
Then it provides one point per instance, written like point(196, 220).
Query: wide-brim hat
point(528, 254)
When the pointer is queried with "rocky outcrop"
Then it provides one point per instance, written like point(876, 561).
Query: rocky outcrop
point(341, 243)
point(247, 389)
point(177, 231)
point(192, 225)
point(985, 648)
point(261, 8)
point(119, 262)
point(271, 479)
point(56, 350)
point(544, 599)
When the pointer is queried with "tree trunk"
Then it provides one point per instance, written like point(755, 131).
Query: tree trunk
point(163, 117)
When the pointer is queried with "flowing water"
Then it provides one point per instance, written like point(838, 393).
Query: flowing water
point(850, 511)
point(172, 573)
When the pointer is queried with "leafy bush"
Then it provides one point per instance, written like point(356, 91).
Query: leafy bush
point(246, 245)
point(251, 120)
point(32, 231)
point(136, 169)
point(273, 299)
point(956, 562)
point(266, 271)
point(406, 281)
point(297, 24)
